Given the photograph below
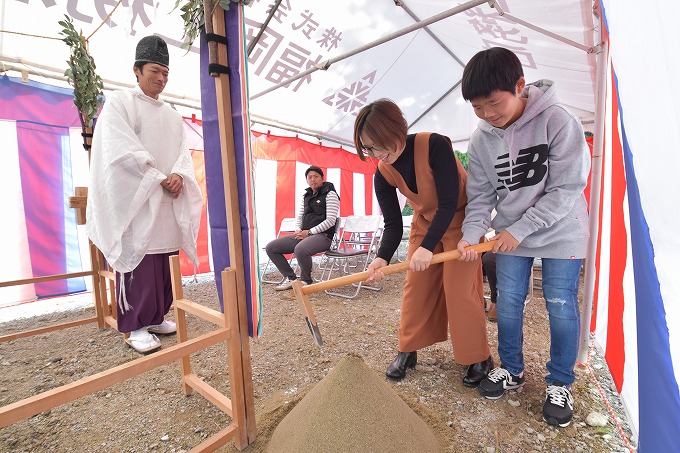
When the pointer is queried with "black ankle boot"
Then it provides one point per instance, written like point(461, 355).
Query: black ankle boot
point(397, 369)
point(476, 372)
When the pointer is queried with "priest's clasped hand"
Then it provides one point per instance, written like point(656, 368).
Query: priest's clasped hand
point(173, 183)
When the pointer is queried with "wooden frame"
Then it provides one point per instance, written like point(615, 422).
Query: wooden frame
point(228, 331)
point(233, 325)
point(102, 293)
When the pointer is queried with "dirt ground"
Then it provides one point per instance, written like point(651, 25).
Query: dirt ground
point(151, 413)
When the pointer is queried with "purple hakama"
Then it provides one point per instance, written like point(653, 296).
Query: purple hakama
point(148, 290)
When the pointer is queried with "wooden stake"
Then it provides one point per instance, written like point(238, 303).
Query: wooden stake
point(229, 176)
point(180, 320)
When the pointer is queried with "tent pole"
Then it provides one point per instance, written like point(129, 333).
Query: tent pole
point(595, 190)
point(449, 91)
point(109, 85)
point(446, 49)
point(540, 30)
point(397, 34)
point(432, 35)
point(254, 119)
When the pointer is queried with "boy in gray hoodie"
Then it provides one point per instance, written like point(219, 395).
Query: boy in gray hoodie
point(528, 159)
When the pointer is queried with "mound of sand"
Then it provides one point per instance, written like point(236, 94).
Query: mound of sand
point(352, 409)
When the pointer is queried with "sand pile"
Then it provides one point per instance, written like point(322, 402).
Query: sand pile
point(352, 409)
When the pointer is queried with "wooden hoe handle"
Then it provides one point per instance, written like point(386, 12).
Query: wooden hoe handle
point(391, 269)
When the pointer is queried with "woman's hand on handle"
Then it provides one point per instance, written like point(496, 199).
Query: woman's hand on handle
point(374, 272)
point(420, 260)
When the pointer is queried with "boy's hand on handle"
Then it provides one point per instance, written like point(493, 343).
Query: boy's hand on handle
point(505, 242)
point(420, 260)
point(466, 255)
point(374, 272)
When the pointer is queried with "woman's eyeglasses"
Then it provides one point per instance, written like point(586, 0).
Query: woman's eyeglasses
point(372, 150)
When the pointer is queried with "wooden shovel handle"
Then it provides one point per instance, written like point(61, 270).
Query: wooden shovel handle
point(391, 269)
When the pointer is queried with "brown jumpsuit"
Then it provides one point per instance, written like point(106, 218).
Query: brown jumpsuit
point(446, 294)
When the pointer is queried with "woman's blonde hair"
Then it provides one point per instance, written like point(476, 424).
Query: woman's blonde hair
point(384, 122)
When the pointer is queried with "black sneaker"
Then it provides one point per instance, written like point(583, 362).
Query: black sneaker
point(559, 405)
point(498, 381)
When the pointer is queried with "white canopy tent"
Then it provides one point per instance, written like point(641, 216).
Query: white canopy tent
point(377, 49)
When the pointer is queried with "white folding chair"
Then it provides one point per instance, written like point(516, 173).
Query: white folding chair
point(357, 247)
point(339, 225)
point(402, 251)
point(287, 228)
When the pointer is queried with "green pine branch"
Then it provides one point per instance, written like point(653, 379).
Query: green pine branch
point(194, 18)
point(88, 94)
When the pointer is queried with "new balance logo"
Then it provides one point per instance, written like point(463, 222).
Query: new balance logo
point(529, 168)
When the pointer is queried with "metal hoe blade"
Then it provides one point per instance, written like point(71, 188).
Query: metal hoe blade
point(306, 307)
point(316, 333)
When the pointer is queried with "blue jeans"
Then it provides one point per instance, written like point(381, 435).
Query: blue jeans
point(560, 290)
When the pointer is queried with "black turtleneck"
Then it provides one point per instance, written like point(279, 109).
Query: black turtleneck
point(445, 171)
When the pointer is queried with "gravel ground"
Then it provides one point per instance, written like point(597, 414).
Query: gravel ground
point(151, 413)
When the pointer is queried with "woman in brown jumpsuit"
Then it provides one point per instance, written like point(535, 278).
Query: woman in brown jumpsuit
point(423, 167)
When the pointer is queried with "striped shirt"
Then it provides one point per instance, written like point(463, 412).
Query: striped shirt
point(332, 210)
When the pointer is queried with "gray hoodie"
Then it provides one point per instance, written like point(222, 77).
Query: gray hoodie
point(533, 173)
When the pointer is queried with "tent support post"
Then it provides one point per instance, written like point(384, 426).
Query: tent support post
point(595, 190)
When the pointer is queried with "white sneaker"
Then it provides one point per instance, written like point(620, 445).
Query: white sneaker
point(286, 284)
point(143, 341)
point(164, 328)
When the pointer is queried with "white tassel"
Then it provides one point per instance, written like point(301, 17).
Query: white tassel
point(123, 304)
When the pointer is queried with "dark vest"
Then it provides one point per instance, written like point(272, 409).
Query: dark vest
point(315, 208)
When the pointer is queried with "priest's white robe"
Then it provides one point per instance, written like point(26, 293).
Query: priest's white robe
point(138, 142)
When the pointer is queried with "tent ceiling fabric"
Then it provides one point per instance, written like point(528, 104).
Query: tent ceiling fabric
point(414, 70)
point(418, 70)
